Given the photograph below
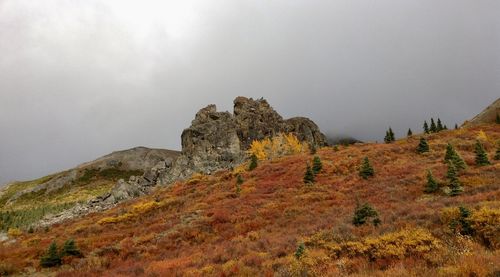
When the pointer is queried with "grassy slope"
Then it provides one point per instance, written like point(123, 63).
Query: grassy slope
point(203, 227)
point(29, 208)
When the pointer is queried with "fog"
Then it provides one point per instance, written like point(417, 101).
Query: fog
point(80, 79)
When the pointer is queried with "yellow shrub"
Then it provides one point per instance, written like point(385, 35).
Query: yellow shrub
point(14, 232)
point(280, 145)
point(486, 224)
point(481, 135)
point(396, 245)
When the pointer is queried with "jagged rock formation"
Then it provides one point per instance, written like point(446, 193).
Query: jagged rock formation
point(217, 140)
point(488, 115)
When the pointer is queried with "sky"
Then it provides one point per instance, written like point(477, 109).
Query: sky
point(80, 79)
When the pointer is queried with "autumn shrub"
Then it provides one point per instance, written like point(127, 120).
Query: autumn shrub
point(280, 145)
point(486, 224)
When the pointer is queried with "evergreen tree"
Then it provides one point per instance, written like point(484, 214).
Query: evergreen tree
point(309, 175)
point(335, 148)
point(363, 213)
point(426, 127)
point(366, 169)
point(433, 128)
point(464, 221)
point(439, 126)
point(51, 258)
point(423, 146)
point(239, 182)
point(253, 162)
point(432, 185)
point(452, 156)
point(445, 127)
point(70, 249)
point(481, 156)
point(497, 120)
point(497, 153)
point(300, 251)
point(456, 126)
point(454, 183)
point(410, 133)
point(317, 165)
point(389, 136)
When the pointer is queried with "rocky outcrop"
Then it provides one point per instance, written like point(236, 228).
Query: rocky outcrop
point(217, 140)
point(488, 115)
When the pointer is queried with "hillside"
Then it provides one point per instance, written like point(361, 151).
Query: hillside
point(274, 224)
point(28, 202)
point(489, 115)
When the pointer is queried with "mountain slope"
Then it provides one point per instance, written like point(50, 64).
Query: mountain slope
point(488, 115)
point(206, 226)
point(27, 202)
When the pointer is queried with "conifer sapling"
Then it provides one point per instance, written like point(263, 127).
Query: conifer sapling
point(317, 165)
point(454, 183)
point(423, 146)
point(432, 185)
point(481, 156)
point(253, 162)
point(366, 169)
point(309, 175)
point(426, 127)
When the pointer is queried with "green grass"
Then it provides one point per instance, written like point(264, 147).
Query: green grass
point(29, 208)
point(23, 219)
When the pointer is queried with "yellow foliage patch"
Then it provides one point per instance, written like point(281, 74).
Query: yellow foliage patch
point(486, 224)
point(396, 245)
point(280, 145)
point(137, 210)
point(14, 232)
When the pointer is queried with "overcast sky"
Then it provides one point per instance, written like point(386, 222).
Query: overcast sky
point(79, 79)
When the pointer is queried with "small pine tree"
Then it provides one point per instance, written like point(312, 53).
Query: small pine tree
point(452, 155)
point(481, 156)
point(426, 127)
point(445, 127)
point(497, 153)
point(239, 182)
point(309, 175)
point(497, 120)
point(389, 136)
point(300, 251)
point(317, 165)
point(253, 162)
point(433, 128)
point(366, 169)
point(456, 126)
point(335, 148)
point(423, 146)
point(363, 213)
point(432, 185)
point(439, 125)
point(70, 249)
point(51, 258)
point(464, 221)
point(450, 152)
point(410, 133)
point(454, 183)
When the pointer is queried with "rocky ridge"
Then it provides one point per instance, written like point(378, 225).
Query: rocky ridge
point(218, 140)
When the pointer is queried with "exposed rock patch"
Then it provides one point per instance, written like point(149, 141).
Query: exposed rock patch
point(217, 140)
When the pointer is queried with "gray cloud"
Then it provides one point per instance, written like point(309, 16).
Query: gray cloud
point(79, 79)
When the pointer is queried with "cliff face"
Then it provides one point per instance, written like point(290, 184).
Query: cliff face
point(217, 140)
